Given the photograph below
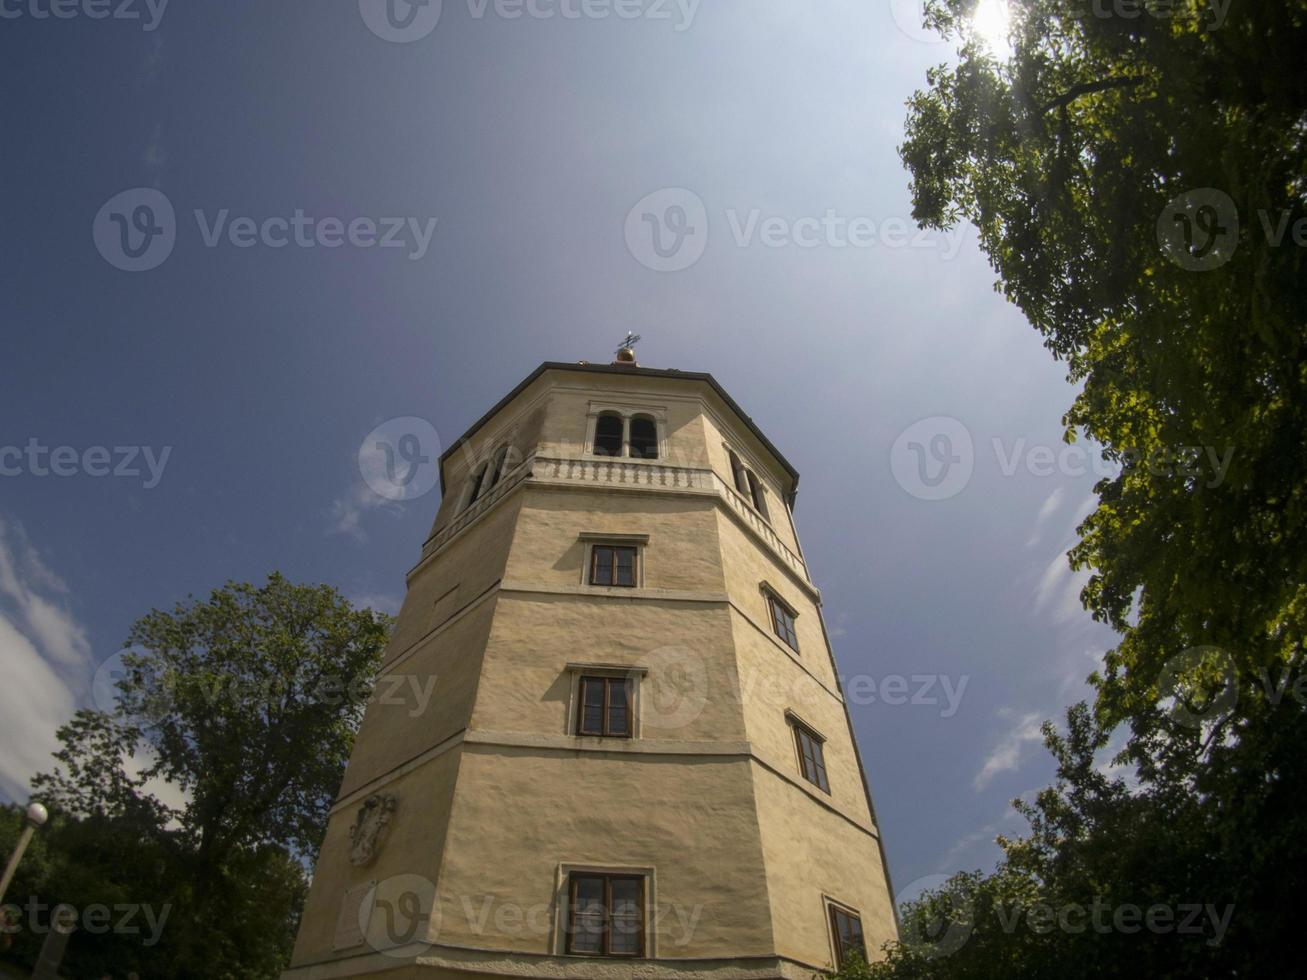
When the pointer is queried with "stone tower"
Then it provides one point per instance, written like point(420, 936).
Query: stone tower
point(635, 759)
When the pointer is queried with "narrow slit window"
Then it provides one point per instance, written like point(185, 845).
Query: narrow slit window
point(477, 480)
point(612, 565)
point(756, 493)
point(608, 435)
point(497, 467)
point(644, 438)
point(738, 474)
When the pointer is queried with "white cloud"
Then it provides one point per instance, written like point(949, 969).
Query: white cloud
point(1006, 755)
point(1049, 508)
point(377, 602)
point(42, 646)
point(346, 512)
point(46, 618)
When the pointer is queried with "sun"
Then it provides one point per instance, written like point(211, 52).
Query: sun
point(990, 22)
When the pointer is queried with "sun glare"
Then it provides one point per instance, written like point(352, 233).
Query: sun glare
point(991, 21)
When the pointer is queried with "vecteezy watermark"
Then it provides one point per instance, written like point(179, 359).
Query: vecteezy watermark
point(399, 915)
point(122, 919)
point(400, 458)
point(675, 690)
point(38, 459)
point(1201, 685)
point(1196, 10)
point(910, 16)
point(833, 230)
point(1183, 919)
point(943, 925)
point(136, 230)
point(404, 21)
point(667, 231)
point(1199, 230)
point(148, 12)
point(159, 689)
point(791, 689)
point(934, 459)
point(400, 21)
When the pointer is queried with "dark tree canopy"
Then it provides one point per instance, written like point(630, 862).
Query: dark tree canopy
point(247, 703)
point(1137, 181)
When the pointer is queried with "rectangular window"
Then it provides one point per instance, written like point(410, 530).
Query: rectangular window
point(812, 761)
point(846, 928)
point(612, 565)
point(605, 914)
point(782, 622)
point(604, 707)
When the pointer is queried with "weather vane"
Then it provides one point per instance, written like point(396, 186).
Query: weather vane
point(629, 343)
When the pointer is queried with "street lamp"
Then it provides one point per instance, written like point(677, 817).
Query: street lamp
point(35, 816)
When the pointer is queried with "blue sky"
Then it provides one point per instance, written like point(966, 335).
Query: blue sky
point(529, 140)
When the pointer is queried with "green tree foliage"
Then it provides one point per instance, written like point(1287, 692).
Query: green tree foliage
point(247, 703)
point(1090, 160)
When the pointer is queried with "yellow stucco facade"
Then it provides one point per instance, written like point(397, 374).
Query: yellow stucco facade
point(465, 815)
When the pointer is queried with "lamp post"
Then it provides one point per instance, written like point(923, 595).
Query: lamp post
point(35, 816)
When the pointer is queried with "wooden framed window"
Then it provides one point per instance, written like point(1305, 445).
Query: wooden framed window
point(605, 914)
point(812, 760)
point(644, 438)
point(612, 564)
point(604, 706)
point(782, 621)
point(846, 931)
point(608, 435)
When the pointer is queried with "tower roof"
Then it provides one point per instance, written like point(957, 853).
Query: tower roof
point(625, 369)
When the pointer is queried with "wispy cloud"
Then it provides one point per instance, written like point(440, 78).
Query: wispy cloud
point(37, 599)
point(345, 515)
point(1022, 732)
point(378, 602)
point(1049, 508)
point(42, 647)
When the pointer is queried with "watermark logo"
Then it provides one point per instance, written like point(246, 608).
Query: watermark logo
point(39, 460)
point(1199, 231)
point(667, 231)
point(148, 12)
point(399, 916)
point(136, 229)
point(1201, 685)
point(943, 924)
point(1195, 10)
point(1074, 918)
point(96, 919)
point(675, 690)
point(400, 458)
point(400, 21)
point(910, 17)
point(933, 459)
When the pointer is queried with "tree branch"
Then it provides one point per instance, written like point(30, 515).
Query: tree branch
point(1088, 88)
